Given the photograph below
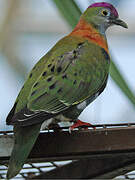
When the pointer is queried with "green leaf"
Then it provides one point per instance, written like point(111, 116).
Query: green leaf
point(116, 75)
point(71, 12)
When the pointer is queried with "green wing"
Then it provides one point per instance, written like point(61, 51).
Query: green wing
point(72, 77)
point(72, 71)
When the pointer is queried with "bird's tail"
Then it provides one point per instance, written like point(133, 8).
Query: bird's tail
point(25, 138)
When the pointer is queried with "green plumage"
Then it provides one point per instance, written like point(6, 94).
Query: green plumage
point(22, 147)
point(67, 75)
point(70, 67)
point(74, 71)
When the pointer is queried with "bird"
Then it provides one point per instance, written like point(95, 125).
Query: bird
point(63, 82)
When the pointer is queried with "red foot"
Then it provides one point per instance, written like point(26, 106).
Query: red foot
point(81, 124)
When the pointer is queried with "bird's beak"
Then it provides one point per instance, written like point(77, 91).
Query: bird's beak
point(120, 23)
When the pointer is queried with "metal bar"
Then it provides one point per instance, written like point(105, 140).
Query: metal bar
point(101, 168)
point(97, 125)
point(64, 144)
point(80, 144)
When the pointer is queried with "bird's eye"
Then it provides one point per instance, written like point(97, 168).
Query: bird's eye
point(104, 13)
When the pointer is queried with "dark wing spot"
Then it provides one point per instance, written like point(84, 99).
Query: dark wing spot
point(106, 55)
point(33, 93)
point(52, 86)
point(49, 79)
point(74, 82)
point(49, 65)
point(80, 44)
point(75, 74)
point(52, 69)
point(59, 69)
point(44, 73)
point(75, 54)
point(30, 75)
point(60, 90)
point(35, 84)
point(64, 76)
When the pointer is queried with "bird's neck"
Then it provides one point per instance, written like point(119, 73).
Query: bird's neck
point(87, 31)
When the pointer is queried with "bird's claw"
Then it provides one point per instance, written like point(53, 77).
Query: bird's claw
point(80, 124)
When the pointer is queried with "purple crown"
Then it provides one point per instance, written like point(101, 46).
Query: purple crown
point(106, 5)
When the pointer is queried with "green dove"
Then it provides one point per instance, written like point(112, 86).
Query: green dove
point(66, 80)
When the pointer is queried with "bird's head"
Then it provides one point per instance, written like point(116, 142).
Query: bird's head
point(102, 15)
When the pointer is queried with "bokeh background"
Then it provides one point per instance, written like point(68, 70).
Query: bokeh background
point(29, 28)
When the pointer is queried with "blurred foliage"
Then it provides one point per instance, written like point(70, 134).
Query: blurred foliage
point(6, 39)
point(120, 81)
point(71, 12)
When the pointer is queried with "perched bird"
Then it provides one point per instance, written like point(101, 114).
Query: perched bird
point(67, 79)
